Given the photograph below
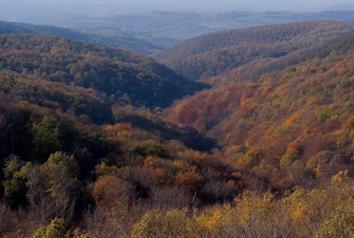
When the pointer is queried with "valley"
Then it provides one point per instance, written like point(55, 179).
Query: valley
point(192, 127)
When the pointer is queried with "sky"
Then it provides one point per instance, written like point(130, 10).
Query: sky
point(104, 7)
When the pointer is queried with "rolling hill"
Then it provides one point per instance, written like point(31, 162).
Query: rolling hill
point(73, 114)
point(92, 84)
point(168, 28)
point(120, 75)
point(102, 142)
point(217, 53)
point(254, 69)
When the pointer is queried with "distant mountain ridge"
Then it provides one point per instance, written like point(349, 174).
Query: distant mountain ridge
point(124, 42)
point(168, 28)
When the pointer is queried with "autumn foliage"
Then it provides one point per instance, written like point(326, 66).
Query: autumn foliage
point(86, 150)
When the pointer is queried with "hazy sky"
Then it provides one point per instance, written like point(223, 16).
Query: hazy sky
point(28, 7)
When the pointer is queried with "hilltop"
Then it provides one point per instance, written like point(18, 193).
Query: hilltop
point(217, 53)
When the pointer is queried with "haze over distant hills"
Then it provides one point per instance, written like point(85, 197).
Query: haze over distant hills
point(166, 28)
point(118, 41)
point(111, 7)
point(165, 23)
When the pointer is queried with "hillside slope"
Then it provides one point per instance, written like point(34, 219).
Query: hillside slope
point(251, 71)
point(216, 53)
point(83, 155)
point(64, 137)
point(120, 75)
point(289, 127)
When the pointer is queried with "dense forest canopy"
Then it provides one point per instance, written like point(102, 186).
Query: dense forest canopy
point(102, 142)
point(253, 70)
point(281, 124)
point(119, 74)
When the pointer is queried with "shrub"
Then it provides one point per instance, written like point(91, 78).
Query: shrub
point(50, 134)
point(157, 224)
point(150, 148)
point(339, 225)
point(56, 229)
point(109, 191)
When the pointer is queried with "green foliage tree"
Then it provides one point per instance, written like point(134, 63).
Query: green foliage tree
point(50, 134)
point(56, 229)
point(15, 188)
point(339, 225)
point(157, 224)
point(61, 163)
point(150, 148)
point(54, 187)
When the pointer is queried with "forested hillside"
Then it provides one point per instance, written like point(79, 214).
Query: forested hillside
point(219, 52)
point(294, 126)
point(252, 71)
point(71, 130)
point(120, 75)
point(88, 104)
point(54, 165)
point(121, 41)
point(97, 142)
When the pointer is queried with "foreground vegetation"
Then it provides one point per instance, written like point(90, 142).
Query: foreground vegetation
point(322, 213)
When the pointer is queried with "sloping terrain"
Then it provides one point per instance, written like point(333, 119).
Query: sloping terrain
point(254, 69)
point(217, 53)
point(120, 75)
point(84, 151)
point(89, 82)
point(288, 127)
point(78, 101)
point(62, 129)
point(89, 106)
